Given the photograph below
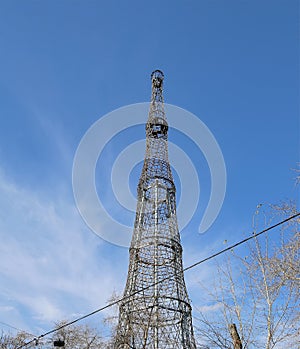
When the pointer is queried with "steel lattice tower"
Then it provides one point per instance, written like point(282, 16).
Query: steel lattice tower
point(155, 312)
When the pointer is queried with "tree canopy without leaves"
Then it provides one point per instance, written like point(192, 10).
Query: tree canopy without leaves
point(258, 291)
point(74, 337)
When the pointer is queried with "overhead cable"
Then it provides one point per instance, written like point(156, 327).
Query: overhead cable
point(252, 236)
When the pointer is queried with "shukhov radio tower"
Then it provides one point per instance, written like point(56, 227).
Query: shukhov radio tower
point(155, 312)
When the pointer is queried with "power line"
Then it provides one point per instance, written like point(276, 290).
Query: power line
point(254, 235)
point(16, 328)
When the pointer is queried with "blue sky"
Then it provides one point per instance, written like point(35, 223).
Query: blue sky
point(65, 64)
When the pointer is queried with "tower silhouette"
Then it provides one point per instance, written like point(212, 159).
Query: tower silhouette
point(155, 312)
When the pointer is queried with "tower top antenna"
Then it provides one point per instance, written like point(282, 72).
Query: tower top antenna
point(157, 77)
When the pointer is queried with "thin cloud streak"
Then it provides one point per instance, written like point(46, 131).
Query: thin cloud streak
point(50, 261)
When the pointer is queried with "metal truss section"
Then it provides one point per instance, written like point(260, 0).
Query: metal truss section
point(155, 312)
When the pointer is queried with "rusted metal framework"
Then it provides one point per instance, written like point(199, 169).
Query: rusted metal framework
point(155, 312)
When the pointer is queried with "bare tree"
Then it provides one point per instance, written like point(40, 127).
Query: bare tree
point(74, 337)
point(230, 300)
point(8, 341)
point(79, 337)
point(259, 291)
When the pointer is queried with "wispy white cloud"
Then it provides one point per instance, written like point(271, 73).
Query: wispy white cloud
point(210, 308)
point(51, 265)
